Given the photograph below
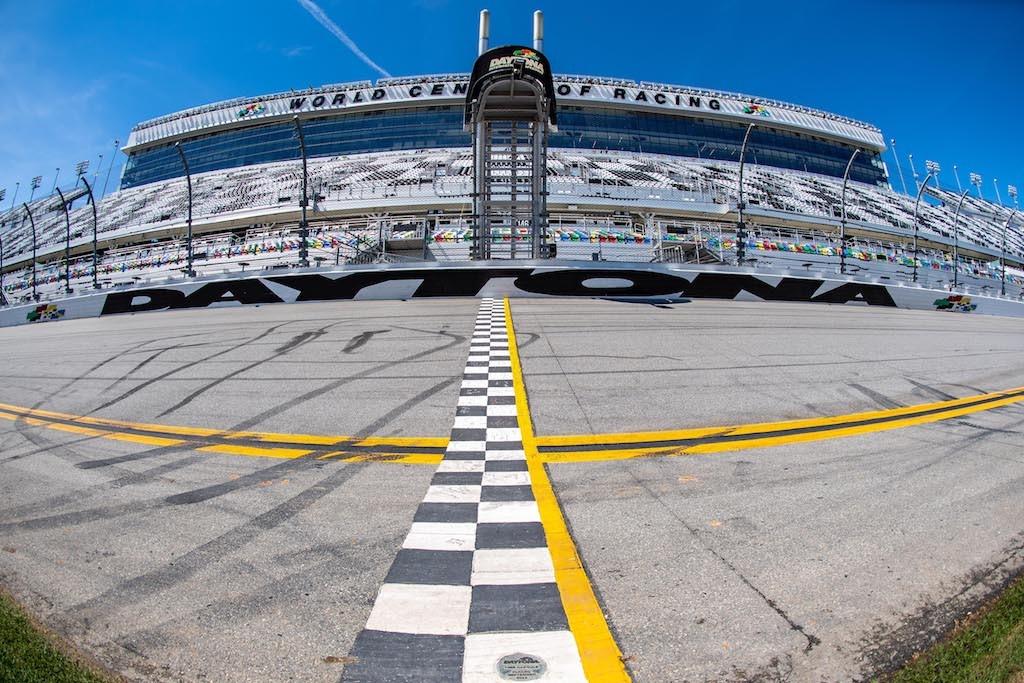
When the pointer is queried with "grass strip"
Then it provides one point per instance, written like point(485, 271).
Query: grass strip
point(29, 655)
point(987, 648)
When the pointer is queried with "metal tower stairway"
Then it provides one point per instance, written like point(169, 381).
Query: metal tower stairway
point(509, 111)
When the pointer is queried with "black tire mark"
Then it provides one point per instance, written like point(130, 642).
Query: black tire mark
point(360, 340)
point(150, 382)
point(387, 417)
point(131, 457)
point(880, 399)
point(81, 516)
point(314, 393)
point(294, 343)
point(139, 588)
point(76, 497)
point(207, 492)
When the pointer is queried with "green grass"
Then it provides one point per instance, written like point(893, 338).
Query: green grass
point(987, 649)
point(27, 654)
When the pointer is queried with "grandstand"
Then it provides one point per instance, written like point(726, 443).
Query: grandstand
point(635, 172)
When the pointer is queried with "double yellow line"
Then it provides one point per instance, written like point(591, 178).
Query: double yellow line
point(420, 450)
point(583, 448)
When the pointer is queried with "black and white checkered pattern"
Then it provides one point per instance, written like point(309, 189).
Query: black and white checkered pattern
point(473, 581)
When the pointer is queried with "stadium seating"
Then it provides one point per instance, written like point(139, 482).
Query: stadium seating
point(258, 196)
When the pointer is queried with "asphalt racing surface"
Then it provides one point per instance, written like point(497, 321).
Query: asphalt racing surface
point(222, 494)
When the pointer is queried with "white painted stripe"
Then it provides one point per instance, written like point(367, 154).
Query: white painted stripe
point(501, 375)
point(470, 422)
point(513, 566)
point(508, 512)
point(495, 454)
point(461, 466)
point(556, 648)
point(500, 391)
point(411, 608)
point(441, 536)
point(473, 401)
point(506, 478)
point(467, 446)
point(474, 384)
point(501, 410)
point(504, 434)
point(452, 493)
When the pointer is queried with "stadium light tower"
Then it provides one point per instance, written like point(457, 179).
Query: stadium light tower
point(67, 242)
point(933, 169)
point(81, 167)
point(899, 169)
point(913, 170)
point(95, 228)
point(1002, 256)
point(1012, 191)
point(995, 184)
point(188, 240)
point(36, 182)
point(35, 296)
point(976, 181)
point(304, 224)
point(959, 187)
point(55, 176)
point(956, 239)
point(741, 228)
point(842, 224)
point(15, 197)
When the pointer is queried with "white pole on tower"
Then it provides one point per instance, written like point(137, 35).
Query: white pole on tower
point(485, 30)
point(538, 31)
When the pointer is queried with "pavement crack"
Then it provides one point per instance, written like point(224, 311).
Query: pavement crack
point(812, 640)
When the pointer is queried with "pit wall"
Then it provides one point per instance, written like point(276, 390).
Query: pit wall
point(655, 281)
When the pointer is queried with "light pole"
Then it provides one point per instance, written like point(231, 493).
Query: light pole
point(188, 243)
point(959, 187)
point(956, 240)
point(842, 224)
point(109, 169)
point(741, 228)
point(67, 242)
point(933, 168)
point(912, 169)
point(304, 225)
point(15, 197)
point(35, 297)
point(1002, 289)
point(892, 143)
point(95, 230)
point(995, 184)
point(976, 181)
point(55, 176)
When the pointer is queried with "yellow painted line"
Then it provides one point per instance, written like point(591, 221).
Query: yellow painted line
point(140, 438)
point(398, 458)
point(249, 450)
point(269, 437)
point(74, 429)
point(601, 657)
point(767, 441)
point(625, 438)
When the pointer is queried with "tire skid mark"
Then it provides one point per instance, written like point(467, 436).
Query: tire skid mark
point(294, 343)
point(154, 380)
point(141, 587)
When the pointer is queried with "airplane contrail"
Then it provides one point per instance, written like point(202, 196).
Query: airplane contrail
point(326, 22)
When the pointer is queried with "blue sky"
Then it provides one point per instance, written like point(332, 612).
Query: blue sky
point(943, 78)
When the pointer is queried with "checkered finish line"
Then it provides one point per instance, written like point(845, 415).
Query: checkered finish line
point(473, 581)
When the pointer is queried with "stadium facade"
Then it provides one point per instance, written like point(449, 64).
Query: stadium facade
point(383, 171)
